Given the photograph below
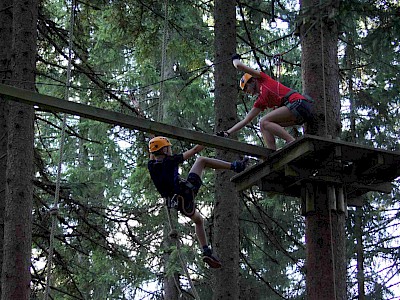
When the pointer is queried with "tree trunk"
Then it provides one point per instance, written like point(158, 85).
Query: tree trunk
point(19, 172)
point(360, 253)
point(325, 227)
point(5, 73)
point(171, 281)
point(226, 210)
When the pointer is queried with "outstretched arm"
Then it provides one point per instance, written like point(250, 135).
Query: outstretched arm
point(191, 152)
point(242, 67)
point(249, 117)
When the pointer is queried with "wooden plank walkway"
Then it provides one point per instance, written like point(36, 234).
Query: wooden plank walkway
point(49, 103)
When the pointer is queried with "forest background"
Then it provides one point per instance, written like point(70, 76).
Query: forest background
point(110, 241)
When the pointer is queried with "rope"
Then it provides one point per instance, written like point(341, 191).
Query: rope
point(178, 246)
point(163, 59)
point(54, 210)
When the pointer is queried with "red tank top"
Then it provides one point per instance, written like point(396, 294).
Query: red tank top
point(271, 93)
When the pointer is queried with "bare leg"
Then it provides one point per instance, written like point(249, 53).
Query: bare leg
point(200, 232)
point(207, 162)
point(273, 125)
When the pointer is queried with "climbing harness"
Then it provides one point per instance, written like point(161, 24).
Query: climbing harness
point(184, 201)
point(285, 98)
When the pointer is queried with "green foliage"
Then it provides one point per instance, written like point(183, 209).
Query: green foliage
point(109, 241)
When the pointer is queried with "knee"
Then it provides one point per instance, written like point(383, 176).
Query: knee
point(197, 219)
point(265, 124)
point(201, 159)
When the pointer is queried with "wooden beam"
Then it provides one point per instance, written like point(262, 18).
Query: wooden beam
point(294, 154)
point(251, 176)
point(54, 104)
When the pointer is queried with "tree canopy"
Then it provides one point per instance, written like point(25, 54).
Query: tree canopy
point(109, 238)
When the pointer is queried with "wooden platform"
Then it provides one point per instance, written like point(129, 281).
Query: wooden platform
point(359, 169)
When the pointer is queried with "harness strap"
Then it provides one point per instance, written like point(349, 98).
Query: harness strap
point(285, 98)
point(186, 183)
point(172, 202)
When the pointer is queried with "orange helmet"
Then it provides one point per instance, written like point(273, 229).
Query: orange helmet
point(246, 77)
point(157, 143)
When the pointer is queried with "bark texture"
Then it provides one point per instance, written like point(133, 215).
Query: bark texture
point(226, 211)
point(19, 171)
point(5, 73)
point(325, 228)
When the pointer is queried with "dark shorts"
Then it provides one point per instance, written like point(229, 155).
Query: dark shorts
point(302, 109)
point(188, 192)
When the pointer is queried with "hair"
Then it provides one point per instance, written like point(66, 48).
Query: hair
point(252, 79)
point(159, 151)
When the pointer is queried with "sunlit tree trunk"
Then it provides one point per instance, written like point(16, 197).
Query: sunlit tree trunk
point(19, 172)
point(226, 210)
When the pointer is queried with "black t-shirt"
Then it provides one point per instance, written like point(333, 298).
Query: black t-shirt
point(165, 174)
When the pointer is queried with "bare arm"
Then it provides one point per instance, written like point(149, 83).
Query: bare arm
point(191, 152)
point(242, 67)
point(249, 117)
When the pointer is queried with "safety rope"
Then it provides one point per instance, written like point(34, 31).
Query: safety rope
point(163, 62)
point(174, 233)
point(54, 210)
point(277, 60)
point(160, 118)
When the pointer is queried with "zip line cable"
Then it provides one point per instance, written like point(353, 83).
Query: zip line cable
point(54, 210)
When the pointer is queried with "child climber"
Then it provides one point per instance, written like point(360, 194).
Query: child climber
point(291, 108)
point(179, 193)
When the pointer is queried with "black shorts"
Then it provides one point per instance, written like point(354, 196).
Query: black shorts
point(302, 109)
point(188, 192)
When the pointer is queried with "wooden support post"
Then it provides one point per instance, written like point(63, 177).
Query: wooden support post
point(341, 200)
point(307, 199)
point(331, 193)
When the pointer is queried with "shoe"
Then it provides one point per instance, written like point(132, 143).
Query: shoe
point(211, 260)
point(239, 165)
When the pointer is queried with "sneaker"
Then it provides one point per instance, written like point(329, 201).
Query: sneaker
point(239, 165)
point(211, 260)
